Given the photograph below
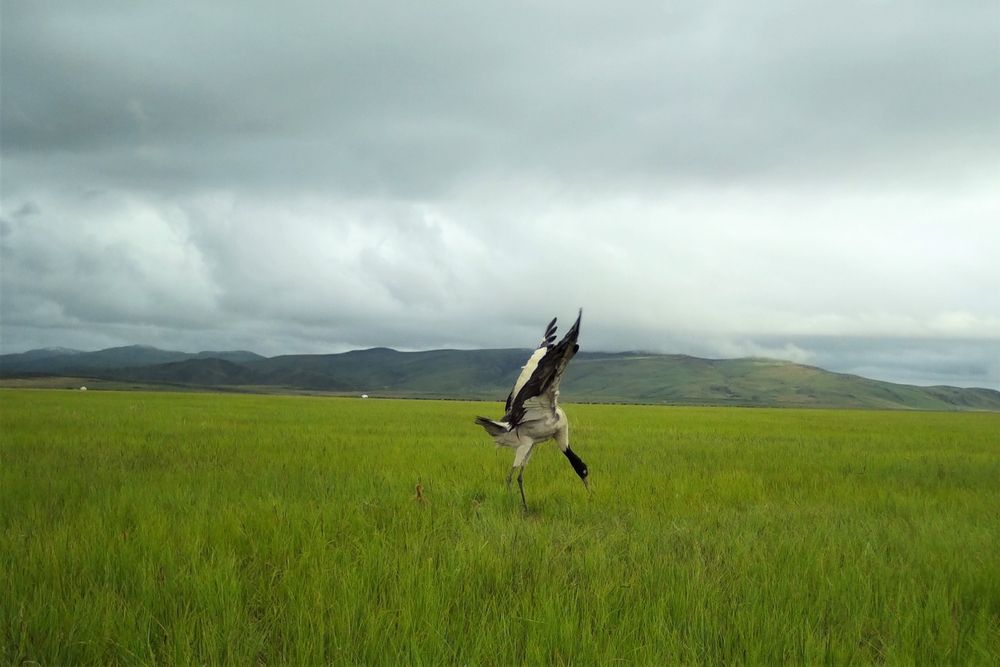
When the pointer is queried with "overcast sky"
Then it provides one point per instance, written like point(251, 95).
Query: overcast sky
point(814, 181)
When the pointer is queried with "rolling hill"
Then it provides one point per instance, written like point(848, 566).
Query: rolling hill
point(59, 360)
point(488, 374)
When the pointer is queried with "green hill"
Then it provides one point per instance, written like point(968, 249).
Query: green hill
point(63, 360)
point(679, 379)
point(489, 374)
point(441, 373)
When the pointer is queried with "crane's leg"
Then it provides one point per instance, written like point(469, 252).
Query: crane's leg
point(520, 460)
point(520, 483)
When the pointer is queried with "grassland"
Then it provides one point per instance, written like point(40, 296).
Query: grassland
point(199, 528)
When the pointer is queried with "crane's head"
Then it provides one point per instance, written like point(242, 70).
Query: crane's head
point(579, 466)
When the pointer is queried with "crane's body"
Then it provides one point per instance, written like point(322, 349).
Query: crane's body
point(533, 414)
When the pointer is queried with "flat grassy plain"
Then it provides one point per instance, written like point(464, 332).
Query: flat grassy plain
point(200, 528)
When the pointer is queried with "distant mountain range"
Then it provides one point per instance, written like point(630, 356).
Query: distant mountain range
point(627, 377)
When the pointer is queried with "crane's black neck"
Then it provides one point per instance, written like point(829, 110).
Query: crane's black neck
point(578, 465)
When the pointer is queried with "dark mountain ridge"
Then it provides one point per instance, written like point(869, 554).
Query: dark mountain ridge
point(622, 377)
point(61, 360)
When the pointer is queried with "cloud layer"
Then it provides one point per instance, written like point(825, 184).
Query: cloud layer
point(814, 182)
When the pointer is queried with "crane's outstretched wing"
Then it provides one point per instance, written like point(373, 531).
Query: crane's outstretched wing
point(548, 340)
point(535, 394)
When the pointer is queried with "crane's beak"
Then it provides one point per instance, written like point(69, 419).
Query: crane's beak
point(586, 483)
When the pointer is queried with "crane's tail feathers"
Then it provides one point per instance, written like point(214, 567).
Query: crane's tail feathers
point(494, 428)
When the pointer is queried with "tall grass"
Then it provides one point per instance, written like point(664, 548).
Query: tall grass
point(180, 528)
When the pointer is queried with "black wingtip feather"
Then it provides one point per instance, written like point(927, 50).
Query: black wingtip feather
point(550, 334)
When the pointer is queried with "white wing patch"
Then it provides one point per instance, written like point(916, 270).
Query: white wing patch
point(528, 369)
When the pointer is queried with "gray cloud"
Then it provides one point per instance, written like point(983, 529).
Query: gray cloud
point(382, 99)
point(794, 180)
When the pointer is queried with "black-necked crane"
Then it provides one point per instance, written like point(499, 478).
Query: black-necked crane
point(533, 413)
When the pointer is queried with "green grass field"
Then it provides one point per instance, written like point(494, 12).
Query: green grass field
point(199, 528)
